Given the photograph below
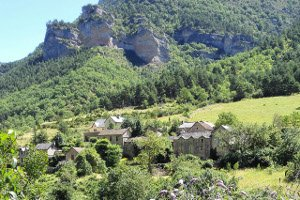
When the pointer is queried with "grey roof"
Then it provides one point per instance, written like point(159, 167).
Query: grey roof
point(117, 119)
point(43, 146)
point(113, 132)
point(195, 135)
point(226, 127)
point(187, 125)
point(100, 123)
point(78, 149)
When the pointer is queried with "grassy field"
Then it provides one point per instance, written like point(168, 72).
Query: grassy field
point(251, 179)
point(250, 110)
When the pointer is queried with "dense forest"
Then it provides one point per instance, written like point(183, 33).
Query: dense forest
point(33, 91)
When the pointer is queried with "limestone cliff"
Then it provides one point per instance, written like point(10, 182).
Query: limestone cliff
point(147, 46)
point(226, 44)
point(60, 40)
point(95, 27)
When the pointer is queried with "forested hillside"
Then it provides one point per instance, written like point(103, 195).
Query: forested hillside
point(252, 17)
point(33, 90)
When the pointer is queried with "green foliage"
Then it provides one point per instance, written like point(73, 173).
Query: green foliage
point(92, 157)
point(113, 155)
point(226, 119)
point(249, 17)
point(83, 166)
point(39, 137)
point(293, 172)
point(101, 147)
point(126, 183)
point(35, 163)
point(67, 173)
point(151, 146)
point(12, 178)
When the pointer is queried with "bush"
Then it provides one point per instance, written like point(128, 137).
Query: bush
point(83, 166)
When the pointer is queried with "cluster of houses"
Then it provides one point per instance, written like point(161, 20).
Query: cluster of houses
point(196, 138)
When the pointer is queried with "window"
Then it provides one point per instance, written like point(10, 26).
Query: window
point(117, 138)
point(110, 138)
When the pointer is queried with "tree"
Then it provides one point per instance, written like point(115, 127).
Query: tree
point(97, 164)
point(12, 178)
point(35, 163)
point(185, 96)
point(101, 147)
point(137, 130)
point(83, 166)
point(58, 140)
point(126, 183)
point(226, 118)
point(40, 137)
point(152, 146)
point(113, 155)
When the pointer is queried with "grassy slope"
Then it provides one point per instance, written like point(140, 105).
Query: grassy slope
point(251, 110)
point(251, 179)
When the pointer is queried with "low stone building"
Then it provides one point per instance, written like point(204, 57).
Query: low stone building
point(115, 136)
point(193, 138)
point(113, 122)
point(49, 148)
point(73, 152)
point(220, 147)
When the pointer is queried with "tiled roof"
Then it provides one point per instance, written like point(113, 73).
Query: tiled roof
point(187, 125)
point(117, 119)
point(207, 125)
point(43, 146)
point(195, 135)
point(100, 123)
point(78, 149)
point(113, 132)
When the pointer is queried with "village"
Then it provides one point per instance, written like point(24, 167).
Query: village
point(196, 138)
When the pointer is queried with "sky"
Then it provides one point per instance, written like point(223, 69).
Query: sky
point(23, 23)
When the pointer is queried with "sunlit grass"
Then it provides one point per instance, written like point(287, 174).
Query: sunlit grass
point(251, 179)
point(250, 110)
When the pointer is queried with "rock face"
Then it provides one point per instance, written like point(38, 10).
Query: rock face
point(95, 27)
point(60, 40)
point(147, 46)
point(226, 44)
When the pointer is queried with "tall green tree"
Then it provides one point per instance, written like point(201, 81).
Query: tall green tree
point(35, 163)
point(151, 146)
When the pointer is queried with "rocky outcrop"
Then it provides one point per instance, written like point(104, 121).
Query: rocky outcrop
point(60, 40)
point(95, 27)
point(147, 46)
point(226, 44)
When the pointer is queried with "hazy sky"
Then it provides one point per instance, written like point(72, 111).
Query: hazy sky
point(23, 23)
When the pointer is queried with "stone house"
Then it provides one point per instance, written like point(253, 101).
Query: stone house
point(220, 147)
point(115, 136)
point(193, 138)
point(73, 152)
point(113, 122)
point(49, 148)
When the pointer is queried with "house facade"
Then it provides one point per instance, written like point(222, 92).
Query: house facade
point(49, 148)
point(73, 152)
point(115, 136)
point(219, 146)
point(194, 138)
point(113, 122)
